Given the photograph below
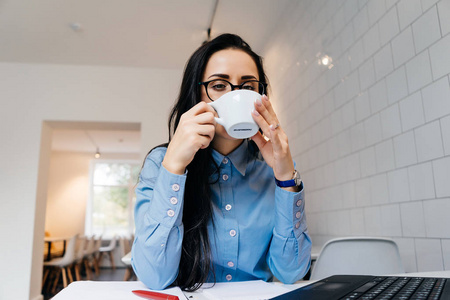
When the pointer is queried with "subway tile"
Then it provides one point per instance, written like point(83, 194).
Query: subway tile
point(362, 106)
point(380, 193)
point(356, 54)
point(436, 99)
point(361, 23)
point(348, 195)
point(373, 130)
point(446, 253)
point(421, 182)
point(357, 221)
point(429, 141)
point(383, 62)
point(436, 214)
point(408, 11)
point(352, 85)
point(390, 3)
point(338, 20)
point(336, 121)
point(413, 222)
point(384, 153)
point(407, 253)
point(388, 26)
point(368, 162)
point(390, 220)
point(426, 30)
point(363, 192)
point(418, 71)
point(398, 185)
point(371, 41)
point(357, 137)
point(378, 96)
point(445, 127)
point(348, 115)
point(376, 10)
point(350, 10)
point(347, 37)
point(426, 4)
point(441, 169)
point(405, 150)
point(403, 47)
point(390, 121)
point(366, 74)
point(396, 85)
point(444, 16)
point(362, 3)
point(372, 219)
point(440, 57)
point(352, 167)
point(429, 255)
point(411, 111)
point(344, 143)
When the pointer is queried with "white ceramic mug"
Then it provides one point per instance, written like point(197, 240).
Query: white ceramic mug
point(235, 113)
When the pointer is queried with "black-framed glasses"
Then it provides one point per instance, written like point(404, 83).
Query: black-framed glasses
point(217, 87)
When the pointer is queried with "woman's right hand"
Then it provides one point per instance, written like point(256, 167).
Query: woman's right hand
point(195, 131)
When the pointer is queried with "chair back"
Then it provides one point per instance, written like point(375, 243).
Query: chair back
point(90, 246)
point(80, 248)
point(111, 245)
point(98, 243)
point(69, 255)
point(358, 255)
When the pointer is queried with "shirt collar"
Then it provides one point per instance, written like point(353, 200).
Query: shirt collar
point(239, 157)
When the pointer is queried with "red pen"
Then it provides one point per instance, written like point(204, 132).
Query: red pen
point(154, 295)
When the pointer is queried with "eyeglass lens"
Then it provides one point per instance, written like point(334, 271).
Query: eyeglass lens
point(217, 88)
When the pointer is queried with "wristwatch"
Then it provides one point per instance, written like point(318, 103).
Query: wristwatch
point(295, 181)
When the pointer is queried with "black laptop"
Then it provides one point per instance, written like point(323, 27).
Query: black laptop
point(339, 287)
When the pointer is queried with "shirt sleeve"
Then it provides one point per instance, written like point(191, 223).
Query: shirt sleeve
point(289, 255)
point(156, 249)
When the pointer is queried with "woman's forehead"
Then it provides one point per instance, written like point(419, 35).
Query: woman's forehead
point(233, 62)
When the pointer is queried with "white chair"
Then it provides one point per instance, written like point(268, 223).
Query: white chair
point(88, 255)
point(109, 251)
point(79, 256)
point(358, 255)
point(61, 264)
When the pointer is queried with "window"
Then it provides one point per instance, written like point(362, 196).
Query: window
point(112, 198)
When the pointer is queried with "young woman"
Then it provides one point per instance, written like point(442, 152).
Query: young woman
point(212, 208)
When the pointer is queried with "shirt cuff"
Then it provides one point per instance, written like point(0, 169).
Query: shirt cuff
point(290, 213)
point(166, 206)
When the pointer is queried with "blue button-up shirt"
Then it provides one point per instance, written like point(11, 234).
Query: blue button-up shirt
point(260, 229)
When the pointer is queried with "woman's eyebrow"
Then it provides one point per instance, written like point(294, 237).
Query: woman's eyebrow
point(225, 76)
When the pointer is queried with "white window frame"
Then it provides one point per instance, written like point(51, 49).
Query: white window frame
point(88, 219)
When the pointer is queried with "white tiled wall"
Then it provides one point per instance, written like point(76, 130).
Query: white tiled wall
point(371, 135)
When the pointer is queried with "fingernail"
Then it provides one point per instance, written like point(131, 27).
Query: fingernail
point(265, 97)
point(258, 102)
point(255, 112)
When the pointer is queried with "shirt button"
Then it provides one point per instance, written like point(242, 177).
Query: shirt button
point(297, 225)
point(225, 177)
point(228, 207)
point(233, 232)
point(225, 160)
point(176, 187)
point(170, 213)
point(297, 215)
point(230, 264)
point(299, 202)
point(173, 200)
point(228, 277)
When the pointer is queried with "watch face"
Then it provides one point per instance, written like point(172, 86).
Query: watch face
point(297, 179)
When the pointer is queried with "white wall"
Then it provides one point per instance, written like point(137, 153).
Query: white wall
point(371, 136)
point(33, 93)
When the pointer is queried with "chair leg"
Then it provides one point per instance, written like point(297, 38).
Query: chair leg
point(44, 278)
point(127, 275)
point(64, 276)
point(77, 272)
point(69, 274)
point(97, 271)
point(111, 257)
point(88, 269)
point(55, 283)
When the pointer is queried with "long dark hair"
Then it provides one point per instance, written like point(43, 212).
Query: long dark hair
point(195, 263)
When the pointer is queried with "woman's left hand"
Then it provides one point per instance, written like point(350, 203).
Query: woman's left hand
point(276, 150)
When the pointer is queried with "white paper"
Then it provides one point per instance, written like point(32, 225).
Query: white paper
point(243, 290)
point(111, 290)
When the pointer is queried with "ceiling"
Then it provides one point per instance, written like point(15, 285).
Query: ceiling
point(131, 33)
